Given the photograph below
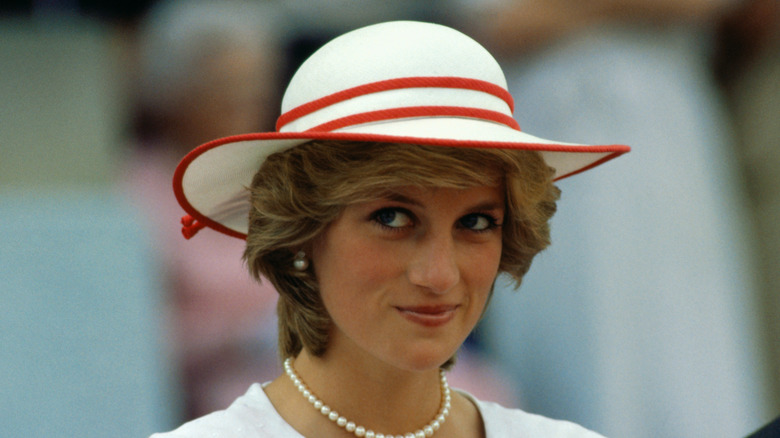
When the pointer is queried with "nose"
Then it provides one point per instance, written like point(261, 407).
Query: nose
point(433, 265)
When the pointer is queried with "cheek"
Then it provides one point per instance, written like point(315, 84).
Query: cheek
point(351, 274)
point(482, 275)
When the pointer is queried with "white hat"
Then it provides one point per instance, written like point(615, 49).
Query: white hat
point(401, 81)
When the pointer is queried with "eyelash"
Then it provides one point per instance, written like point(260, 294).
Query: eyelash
point(492, 222)
point(375, 217)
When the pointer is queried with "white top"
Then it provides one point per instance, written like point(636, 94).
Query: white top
point(253, 415)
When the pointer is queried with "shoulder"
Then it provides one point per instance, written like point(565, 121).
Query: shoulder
point(251, 415)
point(501, 421)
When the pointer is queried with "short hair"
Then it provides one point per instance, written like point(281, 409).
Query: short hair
point(298, 192)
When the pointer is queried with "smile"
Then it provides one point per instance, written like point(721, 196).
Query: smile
point(429, 316)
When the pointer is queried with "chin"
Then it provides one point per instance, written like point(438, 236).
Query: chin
point(424, 360)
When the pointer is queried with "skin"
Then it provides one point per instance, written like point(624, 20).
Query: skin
point(405, 279)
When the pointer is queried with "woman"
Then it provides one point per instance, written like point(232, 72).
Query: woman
point(395, 190)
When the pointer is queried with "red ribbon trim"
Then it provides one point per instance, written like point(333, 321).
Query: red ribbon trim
point(395, 84)
point(416, 111)
point(190, 226)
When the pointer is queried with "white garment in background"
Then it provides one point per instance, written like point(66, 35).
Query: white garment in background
point(637, 322)
point(253, 416)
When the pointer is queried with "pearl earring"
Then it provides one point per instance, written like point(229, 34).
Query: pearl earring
point(301, 262)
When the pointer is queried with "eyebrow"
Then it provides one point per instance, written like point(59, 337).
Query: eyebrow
point(488, 205)
point(397, 197)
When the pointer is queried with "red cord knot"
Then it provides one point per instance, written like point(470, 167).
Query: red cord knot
point(190, 226)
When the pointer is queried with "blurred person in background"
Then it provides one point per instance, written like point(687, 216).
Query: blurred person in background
point(206, 69)
point(747, 65)
point(644, 327)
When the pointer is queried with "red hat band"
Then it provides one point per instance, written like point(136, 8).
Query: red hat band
point(373, 102)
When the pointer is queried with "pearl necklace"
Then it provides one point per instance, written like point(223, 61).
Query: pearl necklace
point(360, 431)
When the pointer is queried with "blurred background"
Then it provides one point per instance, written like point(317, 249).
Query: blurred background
point(654, 313)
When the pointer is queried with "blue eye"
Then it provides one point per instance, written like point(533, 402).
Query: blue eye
point(392, 218)
point(478, 222)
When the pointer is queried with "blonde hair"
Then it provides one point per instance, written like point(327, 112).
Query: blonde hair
point(298, 192)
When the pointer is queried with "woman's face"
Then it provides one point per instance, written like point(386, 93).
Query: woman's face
point(405, 277)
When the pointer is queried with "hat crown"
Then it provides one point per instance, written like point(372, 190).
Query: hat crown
point(434, 56)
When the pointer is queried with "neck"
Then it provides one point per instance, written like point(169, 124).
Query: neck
point(374, 395)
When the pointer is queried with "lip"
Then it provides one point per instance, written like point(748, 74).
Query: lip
point(428, 316)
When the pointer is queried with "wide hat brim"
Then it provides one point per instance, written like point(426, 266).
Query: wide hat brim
point(211, 182)
point(442, 106)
